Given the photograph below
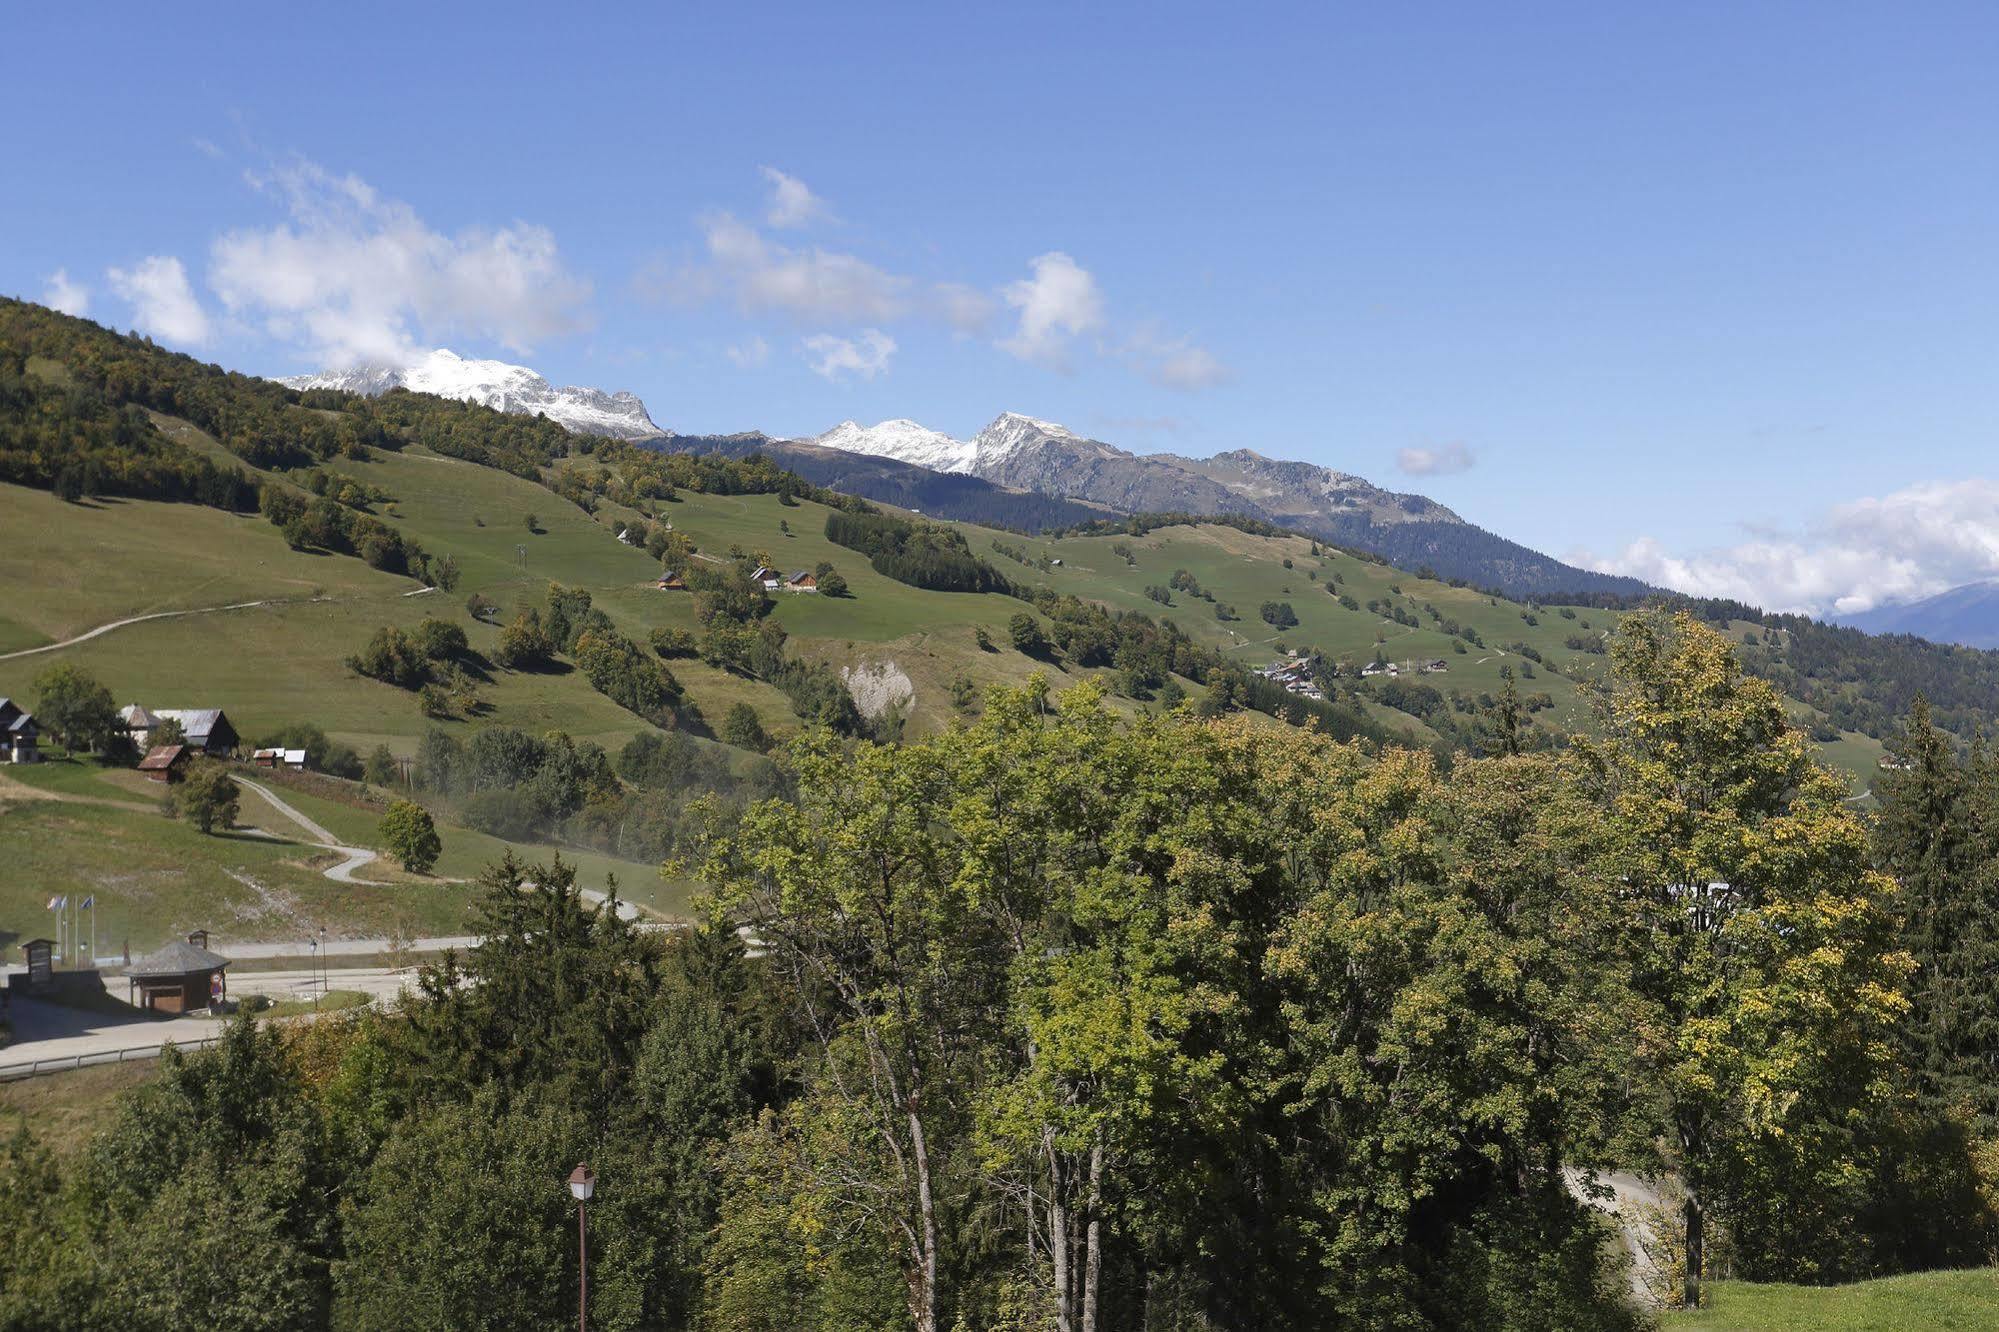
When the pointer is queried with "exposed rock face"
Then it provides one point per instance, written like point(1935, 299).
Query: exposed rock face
point(1022, 453)
point(496, 384)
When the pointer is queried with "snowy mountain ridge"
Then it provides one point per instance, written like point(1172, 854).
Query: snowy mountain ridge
point(499, 385)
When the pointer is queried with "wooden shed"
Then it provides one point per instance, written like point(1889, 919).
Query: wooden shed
point(165, 763)
point(179, 978)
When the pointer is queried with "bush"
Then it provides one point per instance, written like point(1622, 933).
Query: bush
point(439, 640)
point(381, 768)
point(673, 642)
point(411, 836)
point(525, 645)
point(1024, 631)
point(1278, 614)
point(207, 797)
point(392, 657)
point(744, 729)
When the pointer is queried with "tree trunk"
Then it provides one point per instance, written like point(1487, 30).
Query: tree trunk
point(1058, 1235)
point(926, 1316)
point(1690, 1291)
point(1093, 1254)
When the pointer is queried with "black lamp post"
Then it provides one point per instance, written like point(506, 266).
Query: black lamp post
point(582, 1183)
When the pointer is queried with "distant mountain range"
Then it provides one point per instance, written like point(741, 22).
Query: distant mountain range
point(1026, 454)
point(936, 494)
point(1031, 474)
point(1968, 615)
point(496, 384)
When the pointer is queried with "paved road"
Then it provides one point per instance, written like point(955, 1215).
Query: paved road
point(357, 856)
point(1633, 1197)
point(58, 1031)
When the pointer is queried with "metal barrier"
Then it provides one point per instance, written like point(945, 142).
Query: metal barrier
point(67, 1063)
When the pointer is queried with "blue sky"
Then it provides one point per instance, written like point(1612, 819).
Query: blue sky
point(1706, 292)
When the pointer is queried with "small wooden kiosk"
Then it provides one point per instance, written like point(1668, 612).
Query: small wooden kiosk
point(180, 977)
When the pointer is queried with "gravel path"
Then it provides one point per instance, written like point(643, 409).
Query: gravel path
point(357, 856)
point(89, 634)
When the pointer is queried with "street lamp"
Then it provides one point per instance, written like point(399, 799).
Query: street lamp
point(582, 1183)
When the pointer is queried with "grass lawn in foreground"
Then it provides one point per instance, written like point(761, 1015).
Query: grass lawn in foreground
point(156, 878)
point(1922, 1302)
point(466, 853)
point(65, 1109)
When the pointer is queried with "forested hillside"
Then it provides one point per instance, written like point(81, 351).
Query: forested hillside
point(1061, 1019)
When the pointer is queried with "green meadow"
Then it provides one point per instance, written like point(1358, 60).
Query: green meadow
point(1921, 1302)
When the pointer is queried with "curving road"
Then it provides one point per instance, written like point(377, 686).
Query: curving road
point(357, 856)
point(89, 634)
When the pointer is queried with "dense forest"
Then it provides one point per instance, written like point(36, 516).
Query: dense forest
point(1058, 1020)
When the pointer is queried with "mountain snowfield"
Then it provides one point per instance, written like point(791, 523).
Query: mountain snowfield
point(1027, 453)
point(906, 441)
point(496, 384)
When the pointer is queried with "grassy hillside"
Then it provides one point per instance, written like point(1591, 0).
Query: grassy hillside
point(283, 661)
point(1924, 1302)
point(77, 827)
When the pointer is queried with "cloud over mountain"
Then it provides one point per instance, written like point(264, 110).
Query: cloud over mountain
point(1911, 543)
point(356, 277)
point(861, 357)
point(163, 302)
point(1444, 460)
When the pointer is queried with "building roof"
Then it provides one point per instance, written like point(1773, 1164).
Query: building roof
point(8, 705)
point(161, 757)
point(801, 575)
point(177, 958)
point(136, 717)
point(195, 723)
point(25, 722)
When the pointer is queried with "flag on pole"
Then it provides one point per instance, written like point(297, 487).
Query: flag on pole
point(58, 903)
point(89, 901)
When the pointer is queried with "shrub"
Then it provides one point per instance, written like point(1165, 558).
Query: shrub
point(393, 658)
point(673, 642)
point(744, 729)
point(411, 836)
point(207, 797)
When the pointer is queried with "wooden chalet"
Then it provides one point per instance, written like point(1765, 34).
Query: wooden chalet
point(20, 736)
point(803, 581)
point(165, 763)
point(671, 581)
point(180, 977)
point(206, 730)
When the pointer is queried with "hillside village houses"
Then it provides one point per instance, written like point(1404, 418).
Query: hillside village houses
point(671, 581)
point(803, 581)
point(20, 737)
point(767, 578)
point(203, 730)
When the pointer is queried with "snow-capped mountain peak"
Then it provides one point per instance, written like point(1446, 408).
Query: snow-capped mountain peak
point(496, 384)
point(1011, 432)
point(905, 441)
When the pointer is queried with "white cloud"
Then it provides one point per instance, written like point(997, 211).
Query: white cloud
point(72, 298)
point(807, 284)
point(356, 277)
point(753, 351)
point(1175, 363)
point(163, 304)
point(1060, 301)
point(1444, 460)
point(792, 203)
point(864, 358)
point(1910, 544)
